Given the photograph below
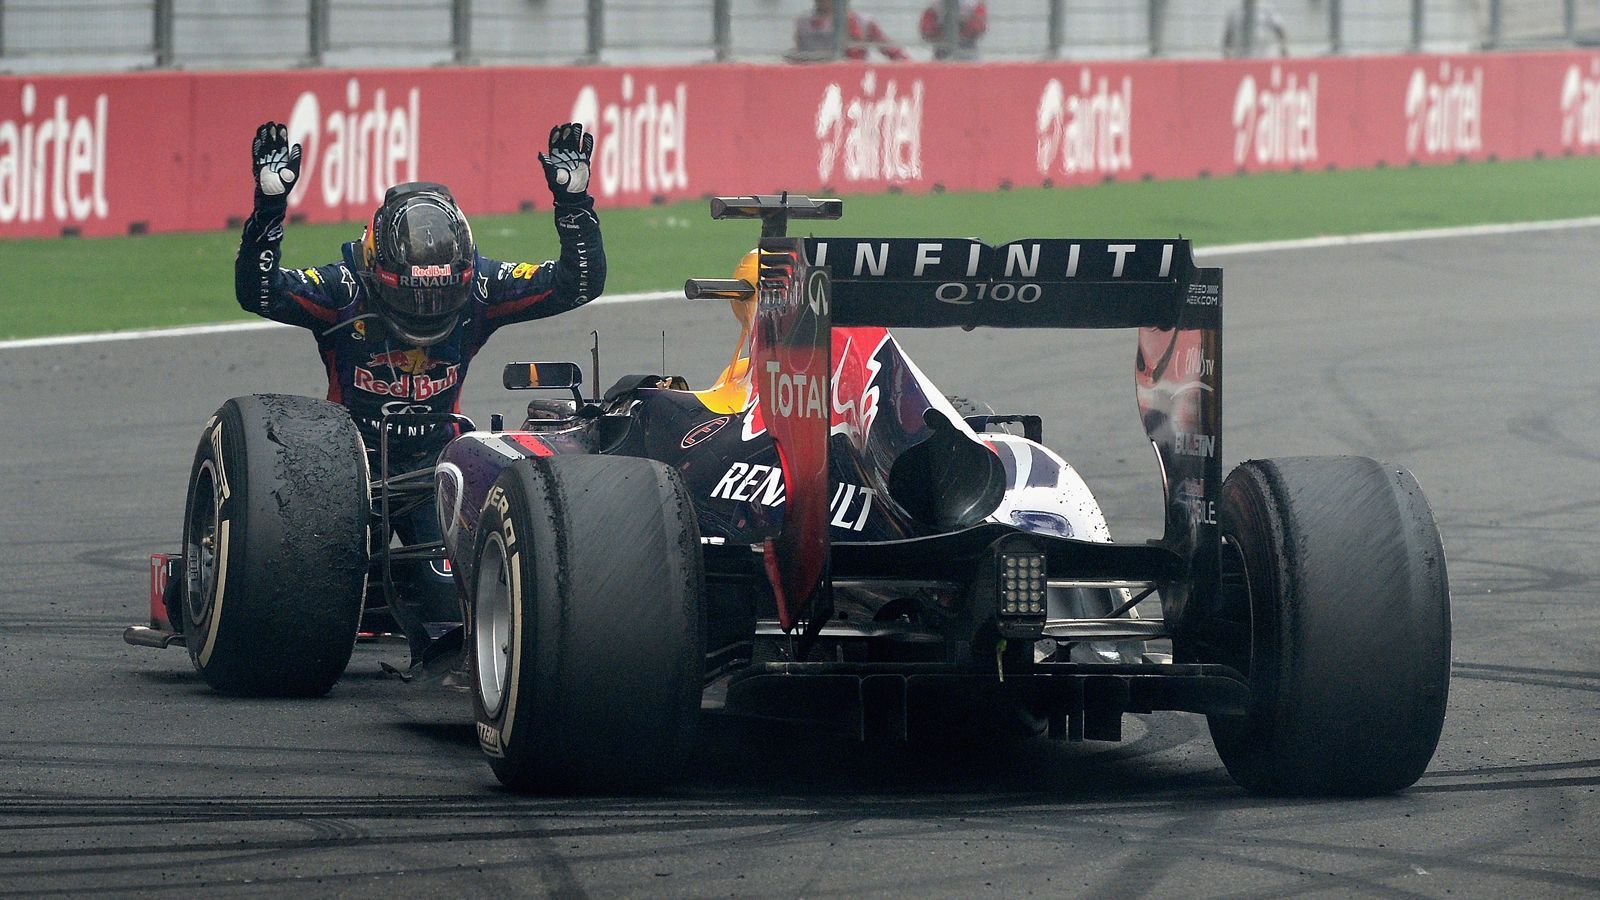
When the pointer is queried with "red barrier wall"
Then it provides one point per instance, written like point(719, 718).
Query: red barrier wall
point(105, 153)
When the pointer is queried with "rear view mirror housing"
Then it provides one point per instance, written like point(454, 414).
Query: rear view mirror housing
point(544, 376)
point(528, 376)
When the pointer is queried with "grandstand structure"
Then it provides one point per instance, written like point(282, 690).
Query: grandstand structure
point(39, 36)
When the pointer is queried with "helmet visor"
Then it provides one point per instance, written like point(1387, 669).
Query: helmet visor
point(425, 294)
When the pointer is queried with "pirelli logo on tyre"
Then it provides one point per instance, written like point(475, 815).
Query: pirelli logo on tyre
point(489, 739)
point(498, 709)
point(497, 499)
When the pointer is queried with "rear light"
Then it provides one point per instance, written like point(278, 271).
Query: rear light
point(1022, 584)
point(1019, 586)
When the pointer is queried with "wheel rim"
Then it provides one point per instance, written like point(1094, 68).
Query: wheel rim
point(1236, 632)
point(199, 546)
point(492, 624)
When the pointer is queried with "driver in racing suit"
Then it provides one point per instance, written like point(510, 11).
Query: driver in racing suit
point(399, 317)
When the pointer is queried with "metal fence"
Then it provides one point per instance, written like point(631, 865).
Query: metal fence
point(68, 35)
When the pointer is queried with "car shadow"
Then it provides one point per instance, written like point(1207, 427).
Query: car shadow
point(757, 760)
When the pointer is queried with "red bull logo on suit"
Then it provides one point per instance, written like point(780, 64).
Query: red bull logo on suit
point(408, 387)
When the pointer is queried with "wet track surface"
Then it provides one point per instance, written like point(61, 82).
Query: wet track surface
point(1471, 361)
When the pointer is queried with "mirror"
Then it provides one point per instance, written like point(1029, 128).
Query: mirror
point(522, 376)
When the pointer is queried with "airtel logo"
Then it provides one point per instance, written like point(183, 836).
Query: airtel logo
point(1580, 106)
point(875, 137)
point(1087, 132)
point(53, 161)
point(1275, 124)
point(361, 152)
point(1445, 115)
point(639, 144)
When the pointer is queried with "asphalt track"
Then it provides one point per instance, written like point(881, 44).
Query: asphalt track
point(1472, 361)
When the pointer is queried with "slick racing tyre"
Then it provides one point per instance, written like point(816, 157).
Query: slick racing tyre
point(586, 633)
point(1337, 567)
point(275, 546)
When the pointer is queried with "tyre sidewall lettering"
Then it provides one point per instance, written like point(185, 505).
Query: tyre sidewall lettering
point(495, 732)
point(222, 472)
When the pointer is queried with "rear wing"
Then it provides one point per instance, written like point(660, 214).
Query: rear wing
point(1048, 283)
point(809, 285)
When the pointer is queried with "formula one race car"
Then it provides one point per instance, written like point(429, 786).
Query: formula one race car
point(823, 535)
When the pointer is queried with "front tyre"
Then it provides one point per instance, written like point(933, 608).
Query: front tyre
point(587, 624)
point(275, 546)
point(1348, 647)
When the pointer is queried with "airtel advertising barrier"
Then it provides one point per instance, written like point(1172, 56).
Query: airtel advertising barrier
point(137, 152)
point(95, 154)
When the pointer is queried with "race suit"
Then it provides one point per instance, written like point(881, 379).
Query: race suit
point(372, 373)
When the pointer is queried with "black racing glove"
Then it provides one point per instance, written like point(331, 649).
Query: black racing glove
point(566, 166)
point(275, 164)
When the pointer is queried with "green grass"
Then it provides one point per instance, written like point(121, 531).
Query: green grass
point(72, 285)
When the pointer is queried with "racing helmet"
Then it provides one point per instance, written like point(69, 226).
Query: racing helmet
point(419, 256)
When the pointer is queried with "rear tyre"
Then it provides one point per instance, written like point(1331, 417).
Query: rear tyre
point(1348, 647)
point(275, 546)
point(586, 633)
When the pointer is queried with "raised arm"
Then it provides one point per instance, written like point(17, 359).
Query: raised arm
point(517, 292)
point(306, 298)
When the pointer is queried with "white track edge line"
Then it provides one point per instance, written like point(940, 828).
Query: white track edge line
point(1387, 237)
point(1341, 240)
point(139, 334)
